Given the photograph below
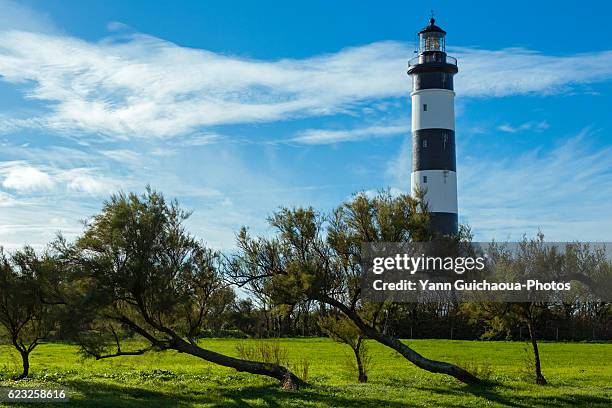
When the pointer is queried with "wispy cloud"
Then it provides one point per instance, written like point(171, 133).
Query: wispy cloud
point(561, 191)
point(18, 16)
point(6, 199)
point(131, 90)
point(122, 155)
point(135, 85)
point(36, 220)
point(224, 189)
point(519, 71)
point(329, 136)
point(200, 140)
point(399, 167)
point(144, 86)
point(537, 126)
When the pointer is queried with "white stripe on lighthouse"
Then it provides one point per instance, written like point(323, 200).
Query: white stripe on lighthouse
point(433, 109)
point(440, 188)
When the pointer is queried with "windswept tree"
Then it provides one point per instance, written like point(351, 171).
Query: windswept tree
point(343, 330)
point(534, 259)
point(28, 301)
point(141, 273)
point(502, 317)
point(313, 257)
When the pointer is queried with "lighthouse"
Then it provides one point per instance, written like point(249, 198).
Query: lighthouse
point(434, 168)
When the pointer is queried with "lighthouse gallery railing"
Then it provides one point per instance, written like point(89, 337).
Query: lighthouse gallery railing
point(426, 58)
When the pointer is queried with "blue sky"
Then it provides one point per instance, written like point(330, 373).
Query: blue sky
point(237, 108)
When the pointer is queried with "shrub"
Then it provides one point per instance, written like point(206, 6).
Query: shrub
point(266, 352)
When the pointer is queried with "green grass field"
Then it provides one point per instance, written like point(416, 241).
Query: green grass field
point(578, 374)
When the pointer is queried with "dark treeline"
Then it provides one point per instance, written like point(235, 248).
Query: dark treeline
point(575, 321)
point(242, 318)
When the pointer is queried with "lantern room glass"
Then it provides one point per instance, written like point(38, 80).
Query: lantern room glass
point(432, 41)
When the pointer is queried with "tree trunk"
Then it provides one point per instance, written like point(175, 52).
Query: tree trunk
point(25, 359)
point(267, 319)
point(305, 328)
point(285, 323)
point(287, 379)
point(536, 355)
point(408, 353)
point(362, 376)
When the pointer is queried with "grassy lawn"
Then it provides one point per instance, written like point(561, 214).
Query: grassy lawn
point(578, 373)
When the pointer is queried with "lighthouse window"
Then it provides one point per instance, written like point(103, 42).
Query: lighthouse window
point(425, 179)
point(424, 142)
point(432, 42)
point(424, 107)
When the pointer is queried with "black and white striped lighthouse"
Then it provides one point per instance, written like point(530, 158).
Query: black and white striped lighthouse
point(433, 128)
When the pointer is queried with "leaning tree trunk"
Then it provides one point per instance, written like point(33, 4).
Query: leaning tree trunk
point(287, 379)
point(25, 359)
point(536, 355)
point(408, 353)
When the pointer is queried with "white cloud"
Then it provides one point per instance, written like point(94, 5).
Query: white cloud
point(538, 126)
point(22, 177)
point(82, 181)
point(45, 198)
point(514, 71)
point(328, 136)
point(138, 85)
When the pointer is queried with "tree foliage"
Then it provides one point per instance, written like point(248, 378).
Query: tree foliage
point(318, 258)
point(29, 288)
point(535, 259)
point(144, 274)
point(343, 330)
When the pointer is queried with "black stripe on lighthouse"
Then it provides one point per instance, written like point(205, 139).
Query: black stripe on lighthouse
point(433, 80)
point(444, 223)
point(433, 149)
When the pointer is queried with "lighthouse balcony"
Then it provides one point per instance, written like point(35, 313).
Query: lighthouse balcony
point(433, 58)
point(432, 62)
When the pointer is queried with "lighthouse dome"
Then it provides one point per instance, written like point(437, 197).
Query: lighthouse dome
point(432, 27)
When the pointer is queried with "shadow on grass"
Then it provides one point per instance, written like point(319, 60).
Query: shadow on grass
point(111, 395)
point(118, 395)
point(490, 393)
